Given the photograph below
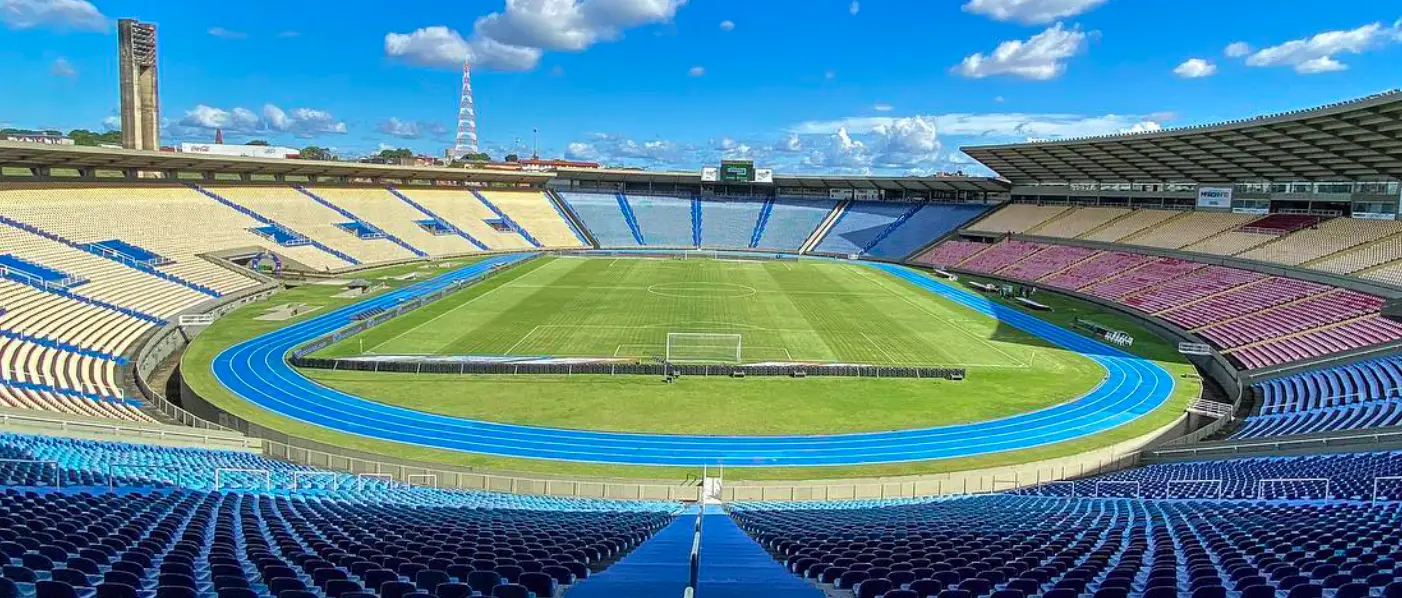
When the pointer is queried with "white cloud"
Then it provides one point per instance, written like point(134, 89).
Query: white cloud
point(842, 153)
point(112, 123)
point(1317, 53)
point(791, 144)
point(696, 71)
point(883, 107)
point(909, 142)
point(1041, 58)
point(1237, 49)
point(998, 99)
point(226, 33)
point(63, 68)
point(996, 125)
point(1030, 12)
point(515, 38)
point(1195, 68)
point(732, 149)
point(301, 122)
point(854, 8)
point(403, 129)
point(727, 25)
point(582, 151)
point(61, 14)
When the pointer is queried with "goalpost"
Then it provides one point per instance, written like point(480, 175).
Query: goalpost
point(695, 347)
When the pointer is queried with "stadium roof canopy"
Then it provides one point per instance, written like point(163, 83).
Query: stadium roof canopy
point(925, 184)
point(81, 157)
point(1349, 141)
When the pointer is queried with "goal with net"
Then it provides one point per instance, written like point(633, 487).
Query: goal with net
point(695, 347)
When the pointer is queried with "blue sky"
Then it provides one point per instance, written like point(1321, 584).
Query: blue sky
point(838, 86)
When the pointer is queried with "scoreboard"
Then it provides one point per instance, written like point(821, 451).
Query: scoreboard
point(737, 171)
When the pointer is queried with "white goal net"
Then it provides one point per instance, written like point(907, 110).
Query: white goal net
point(693, 347)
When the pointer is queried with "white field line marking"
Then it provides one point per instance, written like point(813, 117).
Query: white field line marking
point(512, 350)
point(451, 311)
point(880, 348)
point(946, 320)
point(647, 288)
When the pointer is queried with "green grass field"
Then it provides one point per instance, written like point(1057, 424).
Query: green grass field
point(819, 311)
point(800, 311)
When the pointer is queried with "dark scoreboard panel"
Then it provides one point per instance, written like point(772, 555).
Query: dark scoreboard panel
point(737, 171)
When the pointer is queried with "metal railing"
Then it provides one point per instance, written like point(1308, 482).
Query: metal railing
point(127, 431)
point(695, 559)
point(1284, 444)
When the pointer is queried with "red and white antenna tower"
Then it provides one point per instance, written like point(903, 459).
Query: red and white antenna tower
point(467, 117)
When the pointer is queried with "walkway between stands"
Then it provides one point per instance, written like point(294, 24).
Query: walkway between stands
point(733, 565)
point(661, 567)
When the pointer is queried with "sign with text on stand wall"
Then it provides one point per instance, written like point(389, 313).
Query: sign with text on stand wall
point(1215, 197)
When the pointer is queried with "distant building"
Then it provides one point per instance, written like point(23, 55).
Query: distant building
point(43, 138)
point(537, 165)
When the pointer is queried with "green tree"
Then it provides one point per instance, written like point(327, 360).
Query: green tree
point(511, 158)
point(391, 154)
point(258, 142)
point(86, 137)
point(314, 152)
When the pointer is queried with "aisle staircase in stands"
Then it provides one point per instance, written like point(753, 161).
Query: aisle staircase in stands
point(630, 218)
point(731, 566)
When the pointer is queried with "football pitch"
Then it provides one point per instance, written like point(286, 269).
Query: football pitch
point(782, 311)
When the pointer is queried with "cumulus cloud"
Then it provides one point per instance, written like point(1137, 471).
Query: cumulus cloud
point(842, 153)
point(696, 71)
point(1030, 12)
point(883, 107)
point(1318, 53)
point(854, 8)
point(301, 122)
point(999, 126)
point(63, 68)
point(1195, 68)
point(112, 123)
point(581, 151)
point(790, 144)
point(1042, 57)
point(1237, 49)
point(226, 33)
point(404, 129)
point(515, 38)
point(78, 15)
point(727, 25)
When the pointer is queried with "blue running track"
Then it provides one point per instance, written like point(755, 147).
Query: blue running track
point(257, 371)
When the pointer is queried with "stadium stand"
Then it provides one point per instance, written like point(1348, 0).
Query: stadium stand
point(533, 212)
point(1132, 223)
point(1018, 218)
point(1356, 396)
point(664, 221)
point(862, 224)
point(1258, 320)
point(932, 221)
point(382, 209)
point(729, 223)
point(195, 522)
point(1051, 259)
point(600, 212)
point(190, 225)
point(1341, 476)
point(1330, 237)
point(290, 208)
point(1187, 229)
point(1078, 222)
point(950, 253)
point(1019, 546)
point(461, 209)
point(792, 221)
